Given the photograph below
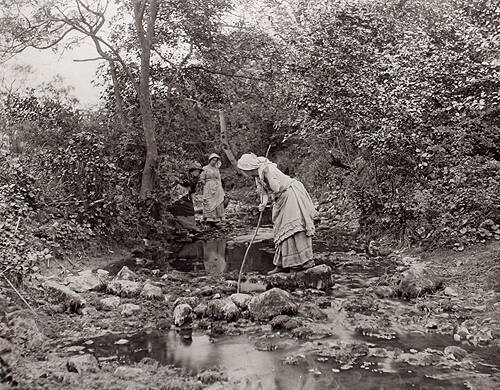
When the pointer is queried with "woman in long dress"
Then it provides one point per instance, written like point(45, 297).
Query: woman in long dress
point(213, 193)
point(293, 212)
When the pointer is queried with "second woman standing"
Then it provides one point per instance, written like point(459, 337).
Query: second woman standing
point(213, 193)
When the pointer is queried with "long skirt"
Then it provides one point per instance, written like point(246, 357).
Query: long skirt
point(293, 214)
point(294, 251)
point(213, 200)
point(214, 215)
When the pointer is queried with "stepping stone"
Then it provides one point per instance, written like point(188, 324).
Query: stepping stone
point(318, 277)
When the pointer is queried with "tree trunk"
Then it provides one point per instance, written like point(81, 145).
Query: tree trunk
point(151, 163)
point(119, 105)
point(226, 147)
point(146, 37)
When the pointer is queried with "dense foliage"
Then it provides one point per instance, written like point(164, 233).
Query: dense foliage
point(387, 110)
point(407, 95)
point(67, 181)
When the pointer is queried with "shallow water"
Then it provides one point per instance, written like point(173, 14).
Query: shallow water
point(214, 256)
point(218, 256)
point(221, 255)
point(241, 358)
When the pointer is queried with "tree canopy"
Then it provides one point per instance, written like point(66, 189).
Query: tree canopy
point(387, 110)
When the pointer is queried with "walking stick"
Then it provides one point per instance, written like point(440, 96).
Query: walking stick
point(248, 249)
point(251, 241)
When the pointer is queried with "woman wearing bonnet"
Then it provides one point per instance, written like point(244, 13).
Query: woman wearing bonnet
point(293, 212)
point(213, 193)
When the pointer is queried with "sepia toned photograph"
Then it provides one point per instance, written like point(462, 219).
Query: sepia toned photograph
point(250, 194)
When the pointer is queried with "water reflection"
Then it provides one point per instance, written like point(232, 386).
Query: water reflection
point(252, 369)
point(218, 256)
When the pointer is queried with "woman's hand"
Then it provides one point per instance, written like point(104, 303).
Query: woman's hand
point(263, 201)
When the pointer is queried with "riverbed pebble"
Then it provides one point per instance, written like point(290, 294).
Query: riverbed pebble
point(431, 324)
point(109, 303)
point(84, 281)
point(182, 314)
point(284, 322)
point(129, 309)
point(82, 363)
point(418, 280)
point(125, 274)
point(201, 310)
point(271, 303)
point(241, 300)
point(223, 309)
point(150, 291)
point(457, 352)
point(450, 292)
point(318, 277)
point(191, 301)
point(126, 372)
point(124, 288)
point(311, 311)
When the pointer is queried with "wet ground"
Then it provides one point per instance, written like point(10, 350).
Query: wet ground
point(244, 363)
point(222, 255)
point(252, 368)
point(387, 357)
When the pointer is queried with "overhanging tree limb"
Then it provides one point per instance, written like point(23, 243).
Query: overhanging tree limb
point(226, 145)
point(212, 71)
point(90, 59)
point(54, 43)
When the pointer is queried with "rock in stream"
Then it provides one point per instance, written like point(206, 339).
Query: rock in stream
point(319, 277)
point(271, 303)
point(417, 281)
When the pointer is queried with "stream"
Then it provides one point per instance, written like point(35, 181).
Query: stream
point(268, 360)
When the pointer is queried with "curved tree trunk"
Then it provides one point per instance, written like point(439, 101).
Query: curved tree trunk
point(226, 147)
point(146, 37)
point(119, 105)
point(151, 163)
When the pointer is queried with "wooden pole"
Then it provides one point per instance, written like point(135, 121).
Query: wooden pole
point(251, 241)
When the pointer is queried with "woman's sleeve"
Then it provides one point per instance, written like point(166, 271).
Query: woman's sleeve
point(202, 177)
point(271, 180)
point(260, 188)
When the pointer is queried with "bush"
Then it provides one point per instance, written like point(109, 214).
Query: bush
point(72, 185)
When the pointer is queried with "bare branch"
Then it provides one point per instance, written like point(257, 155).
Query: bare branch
point(98, 41)
point(88, 9)
point(59, 21)
point(90, 59)
point(173, 65)
point(99, 24)
point(54, 43)
point(187, 57)
point(106, 7)
point(82, 16)
point(212, 71)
